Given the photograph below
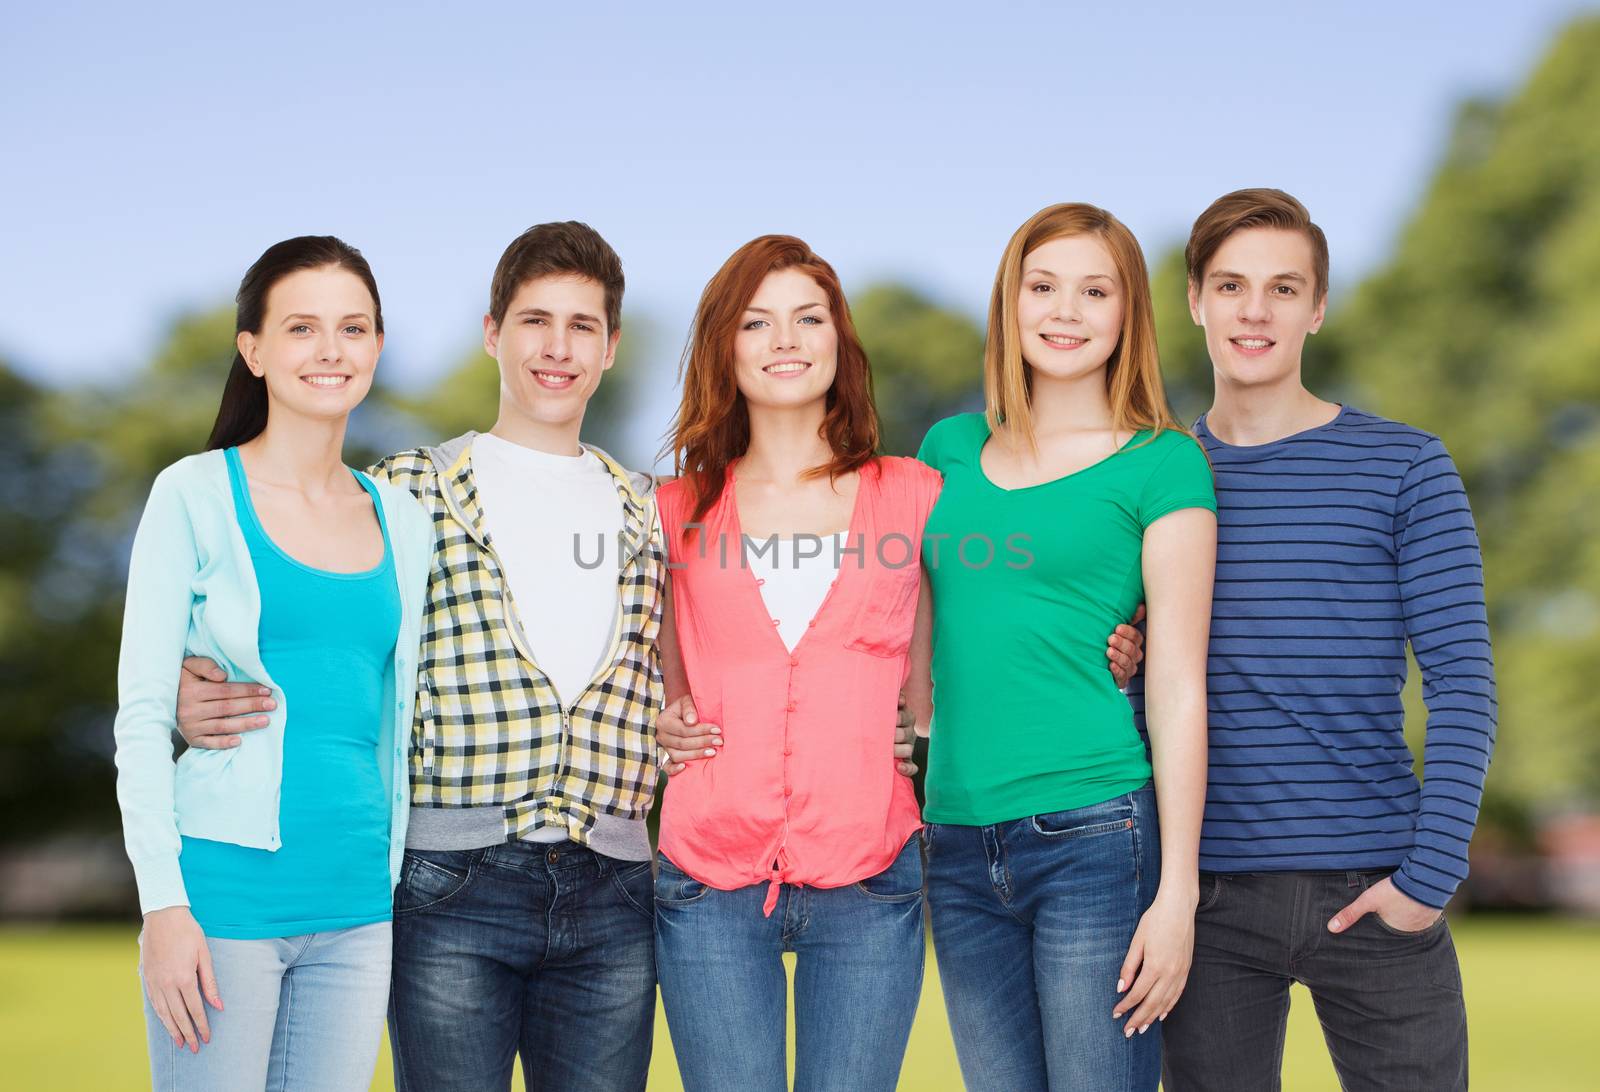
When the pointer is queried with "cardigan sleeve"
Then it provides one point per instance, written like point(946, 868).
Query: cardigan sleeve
point(155, 628)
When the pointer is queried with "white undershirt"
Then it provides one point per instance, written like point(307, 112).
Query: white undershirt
point(793, 585)
point(534, 504)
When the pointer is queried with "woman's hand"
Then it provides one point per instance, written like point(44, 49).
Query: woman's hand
point(1157, 965)
point(680, 733)
point(176, 966)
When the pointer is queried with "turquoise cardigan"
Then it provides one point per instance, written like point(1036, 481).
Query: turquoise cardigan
point(192, 592)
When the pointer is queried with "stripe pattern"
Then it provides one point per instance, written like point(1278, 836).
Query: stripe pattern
point(1336, 547)
point(489, 728)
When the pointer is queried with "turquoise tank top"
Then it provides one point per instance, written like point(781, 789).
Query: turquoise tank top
point(327, 639)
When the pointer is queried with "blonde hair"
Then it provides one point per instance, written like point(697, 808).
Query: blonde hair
point(1133, 372)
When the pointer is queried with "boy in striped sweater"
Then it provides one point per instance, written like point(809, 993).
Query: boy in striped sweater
point(1342, 536)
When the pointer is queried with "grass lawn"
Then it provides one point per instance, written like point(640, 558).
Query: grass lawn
point(70, 1016)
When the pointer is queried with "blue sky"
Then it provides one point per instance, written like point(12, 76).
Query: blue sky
point(154, 151)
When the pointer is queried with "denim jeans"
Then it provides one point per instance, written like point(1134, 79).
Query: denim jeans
point(540, 949)
point(302, 1013)
point(1031, 922)
point(858, 975)
point(1390, 1002)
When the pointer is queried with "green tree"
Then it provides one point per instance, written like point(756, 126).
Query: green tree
point(927, 361)
point(1482, 327)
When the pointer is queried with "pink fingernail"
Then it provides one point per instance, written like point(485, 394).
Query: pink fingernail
point(1122, 984)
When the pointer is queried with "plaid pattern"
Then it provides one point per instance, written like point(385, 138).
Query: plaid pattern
point(489, 729)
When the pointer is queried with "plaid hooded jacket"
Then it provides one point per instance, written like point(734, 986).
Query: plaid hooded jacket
point(494, 755)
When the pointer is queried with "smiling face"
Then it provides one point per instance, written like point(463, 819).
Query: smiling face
point(552, 347)
point(786, 350)
point(317, 347)
point(1258, 303)
point(1070, 308)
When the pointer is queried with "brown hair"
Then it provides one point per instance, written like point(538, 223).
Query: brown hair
point(713, 424)
point(566, 247)
point(1257, 208)
point(1133, 373)
point(243, 412)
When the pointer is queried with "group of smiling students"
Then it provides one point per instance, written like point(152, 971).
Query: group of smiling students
point(428, 704)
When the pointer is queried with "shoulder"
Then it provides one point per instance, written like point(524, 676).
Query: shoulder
point(410, 469)
point(913, 472)
point(1368, 429)
point(193, 480)
point(1170, 451)
point(402, 505)
point(950, 433)
point(911, 479)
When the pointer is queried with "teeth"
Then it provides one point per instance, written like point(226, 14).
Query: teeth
point(553, 377)
point(1251, 342)
point(1062, 339)
point(326, 380)
point(785, 369)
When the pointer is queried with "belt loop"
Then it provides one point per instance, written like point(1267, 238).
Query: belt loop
point(1352, 879)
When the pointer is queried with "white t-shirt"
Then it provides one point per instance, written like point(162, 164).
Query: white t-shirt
point(793, 583)
point(545, 514)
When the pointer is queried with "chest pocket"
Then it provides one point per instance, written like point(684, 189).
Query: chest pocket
point(888, 614)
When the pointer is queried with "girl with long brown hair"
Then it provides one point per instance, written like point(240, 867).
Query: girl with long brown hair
point(794, 551)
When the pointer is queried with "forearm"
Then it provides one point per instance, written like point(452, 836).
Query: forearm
point(674, 677)
point(1440, 583)
point(1177, 725)
point(919, 680)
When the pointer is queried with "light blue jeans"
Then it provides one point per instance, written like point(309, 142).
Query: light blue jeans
point(302, 1013)
point(858, 974)
point(1031, 921)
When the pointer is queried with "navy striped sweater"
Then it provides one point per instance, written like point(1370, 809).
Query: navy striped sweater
point(1335, 547)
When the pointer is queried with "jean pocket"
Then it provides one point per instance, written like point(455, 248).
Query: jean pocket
point(674, 886)
point(634, 884)
point(431, 877)
point(1407, 934)
point(902, 881)
point(1210, 891)
point(1108, 817)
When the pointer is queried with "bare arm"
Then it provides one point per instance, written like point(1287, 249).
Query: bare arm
point(919, 685)
point(1179, 565)
point(678, 728)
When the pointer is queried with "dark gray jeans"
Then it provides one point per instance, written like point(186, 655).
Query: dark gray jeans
point(1389, 1002)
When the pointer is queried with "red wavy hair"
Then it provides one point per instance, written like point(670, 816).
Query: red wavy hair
point(712, 428)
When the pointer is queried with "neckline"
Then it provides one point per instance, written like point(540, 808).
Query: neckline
point(983, 474)
point(753, 584)
point(242, 480)
point(1338, 418)
point(584, 462)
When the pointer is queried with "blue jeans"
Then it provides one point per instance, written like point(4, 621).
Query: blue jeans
point(301, 1013)
point(1031, 922)
point(540, 949)
point(858, 975)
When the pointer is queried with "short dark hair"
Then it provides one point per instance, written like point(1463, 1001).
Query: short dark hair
point(1257, 208)
point(565, 246)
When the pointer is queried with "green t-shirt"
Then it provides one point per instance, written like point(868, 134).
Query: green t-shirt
point(1027, 585)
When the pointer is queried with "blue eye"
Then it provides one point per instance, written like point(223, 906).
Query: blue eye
point(755, 323)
